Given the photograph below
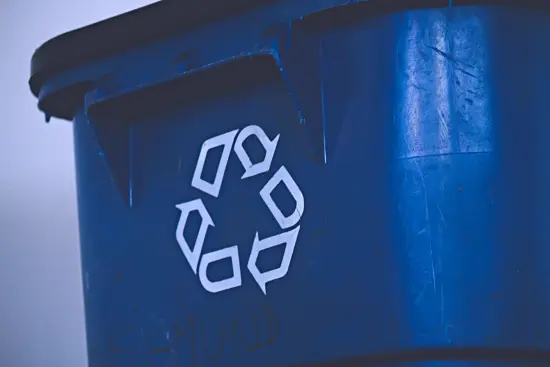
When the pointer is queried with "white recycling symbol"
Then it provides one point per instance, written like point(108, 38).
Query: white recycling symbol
point(199, 261)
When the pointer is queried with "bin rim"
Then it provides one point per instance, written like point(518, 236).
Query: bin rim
point(165, 18)
point(126, 31)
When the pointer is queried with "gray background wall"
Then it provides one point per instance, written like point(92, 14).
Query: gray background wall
point(41, 308)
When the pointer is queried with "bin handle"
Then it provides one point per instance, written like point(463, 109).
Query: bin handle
point(106, 90)
point(292, 54)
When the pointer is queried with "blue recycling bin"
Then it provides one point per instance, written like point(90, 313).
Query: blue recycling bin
point(311, 183)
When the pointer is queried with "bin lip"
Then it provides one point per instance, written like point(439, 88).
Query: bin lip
point(126, 31)
point(156, 21)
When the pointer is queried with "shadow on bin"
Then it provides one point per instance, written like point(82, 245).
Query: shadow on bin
point(323, 182)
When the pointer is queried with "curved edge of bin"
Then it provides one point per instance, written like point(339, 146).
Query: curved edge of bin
point(126, 31)
point(167, 18)
point(447, 354)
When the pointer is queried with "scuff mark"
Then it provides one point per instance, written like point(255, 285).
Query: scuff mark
point(467, 73)
point(420, 294)
point(442, 184)
point(449, 331)
point(442, 216)
point(427, 218)
point(443, 125)
point(448, 57)
point(416, 86)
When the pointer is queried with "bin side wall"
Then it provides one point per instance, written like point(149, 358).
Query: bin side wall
point(427, 225)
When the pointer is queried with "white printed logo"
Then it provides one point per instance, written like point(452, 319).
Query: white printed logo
point(287, 238)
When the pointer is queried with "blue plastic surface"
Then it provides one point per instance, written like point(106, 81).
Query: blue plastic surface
point(419, 142)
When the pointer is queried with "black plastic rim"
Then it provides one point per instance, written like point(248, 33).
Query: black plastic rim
point(169, 17)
